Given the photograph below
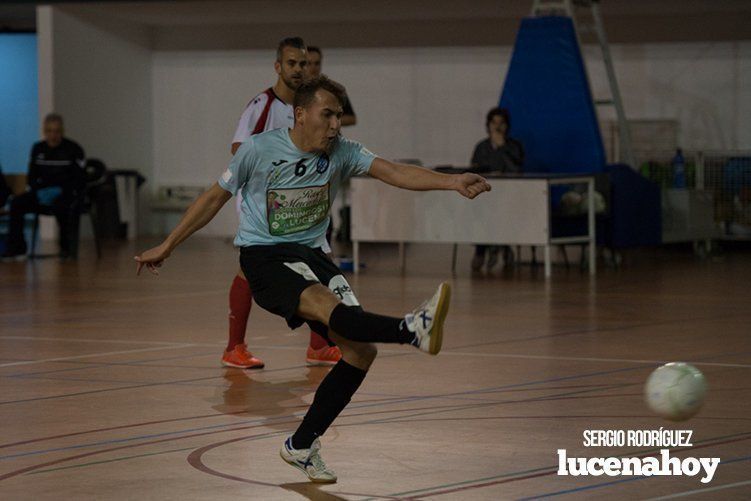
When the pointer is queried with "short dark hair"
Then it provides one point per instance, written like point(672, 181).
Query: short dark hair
point(307, 90)
point(54, 117)
point(498, 112)
point(313, 48)
point(295, 42)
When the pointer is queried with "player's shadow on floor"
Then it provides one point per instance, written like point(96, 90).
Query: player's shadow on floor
point(311, 491)
point(265, 395)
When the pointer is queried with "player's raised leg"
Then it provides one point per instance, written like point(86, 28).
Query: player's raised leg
point(422, 328)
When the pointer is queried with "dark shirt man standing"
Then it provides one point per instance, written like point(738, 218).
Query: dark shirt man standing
point(314, 68)
point(55, 180)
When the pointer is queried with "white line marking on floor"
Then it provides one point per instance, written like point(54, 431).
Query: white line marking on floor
point(80, 340)
point(94, 355)
point(581, 359)
point(158, 343)
point(174, 295)
point(167, 344)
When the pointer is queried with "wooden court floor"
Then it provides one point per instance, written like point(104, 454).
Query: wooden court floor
point(111, 387)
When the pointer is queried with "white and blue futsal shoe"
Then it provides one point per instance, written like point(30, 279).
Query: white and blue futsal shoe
point(308, 461)
point(427, 320)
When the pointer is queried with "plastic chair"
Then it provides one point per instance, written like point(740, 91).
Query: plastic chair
point(94, 177)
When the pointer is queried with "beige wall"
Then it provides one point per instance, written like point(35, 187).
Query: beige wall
point(102, 87)
point(169, 108)
point(97, 74)
point(429, 103)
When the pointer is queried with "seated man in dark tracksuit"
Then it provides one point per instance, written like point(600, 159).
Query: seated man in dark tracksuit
point(496, 154)
point(56, 180)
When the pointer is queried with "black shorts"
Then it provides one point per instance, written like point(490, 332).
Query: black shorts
point(278, 274)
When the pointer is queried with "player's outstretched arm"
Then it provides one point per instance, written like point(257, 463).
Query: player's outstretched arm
point(411, 177)
point(196, 217)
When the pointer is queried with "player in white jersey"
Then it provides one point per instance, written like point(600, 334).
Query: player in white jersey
point(272, 108)
point(269, 110)
point(287, 180)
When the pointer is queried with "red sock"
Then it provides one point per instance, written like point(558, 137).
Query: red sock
point(240, 301)
point(317, 341)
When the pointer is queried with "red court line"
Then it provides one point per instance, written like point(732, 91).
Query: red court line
point(122, 447)
point(121, 427)
point(293, 420)
point(173, 420)
point(144, 385)
point(24, 470)
point(195, 459)
point(431, 409)
point(385, 400)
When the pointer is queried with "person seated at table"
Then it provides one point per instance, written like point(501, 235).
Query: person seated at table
point(55, 181)
point(501, 154)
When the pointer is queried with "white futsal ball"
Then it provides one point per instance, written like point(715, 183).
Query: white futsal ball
point(675, 391)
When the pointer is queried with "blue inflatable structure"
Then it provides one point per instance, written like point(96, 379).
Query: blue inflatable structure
point(548, 97)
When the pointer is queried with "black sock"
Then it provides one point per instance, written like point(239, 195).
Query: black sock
point(355, 324)
point(332, 396)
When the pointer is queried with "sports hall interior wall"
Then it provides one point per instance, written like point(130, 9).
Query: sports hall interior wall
point(136, 96)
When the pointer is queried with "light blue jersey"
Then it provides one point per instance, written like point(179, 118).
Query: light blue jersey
point(286, 193)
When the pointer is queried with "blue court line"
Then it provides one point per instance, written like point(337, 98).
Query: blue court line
point(130, 387)
point(276, 433)
point(395, 419)
point(146, 363)
point(543, 398)
point(563, 333)
point(267, 435)
point(95, 365)
point(145, 385)
point(390, 419)
point(103, 390)
point(485, 390)
point(153, 435)
point(710, 357)
point(551, 469)
point(123, 458)
point(589, 330)
point(302, 387)
point(108, 381)
point(138, 363)
point(423, 398)
point(614, 482)
point(355, 406)
point(297, 414)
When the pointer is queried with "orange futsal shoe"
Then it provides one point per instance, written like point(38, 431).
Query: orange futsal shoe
point(328, 355)
point(241, 358)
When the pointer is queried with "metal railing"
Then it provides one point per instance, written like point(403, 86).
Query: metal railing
point(724, 174)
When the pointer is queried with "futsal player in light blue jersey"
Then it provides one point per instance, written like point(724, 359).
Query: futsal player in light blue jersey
point(286, 192)
point(287, 180)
